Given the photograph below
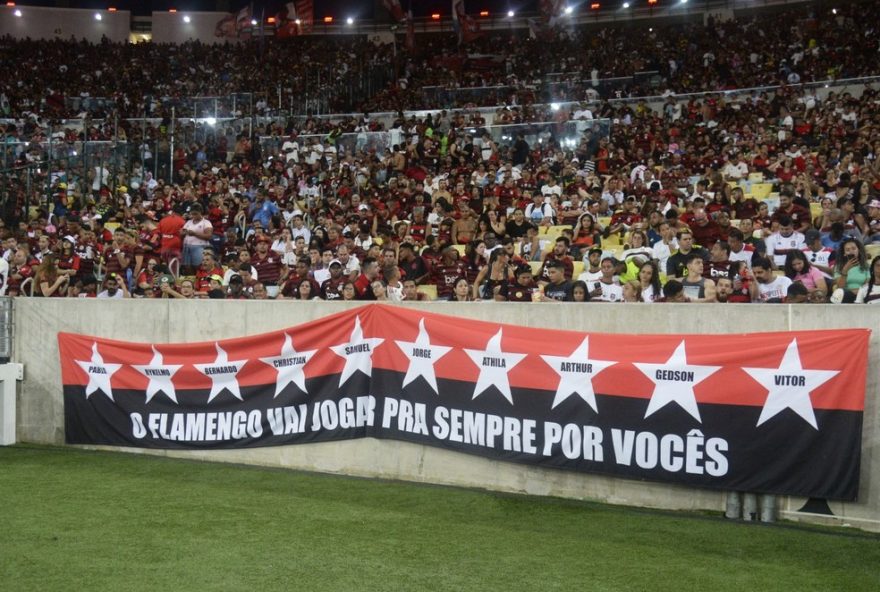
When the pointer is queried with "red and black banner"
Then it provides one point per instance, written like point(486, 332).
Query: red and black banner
point(766, 412)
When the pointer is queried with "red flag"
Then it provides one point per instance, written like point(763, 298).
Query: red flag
point(466, 26)
point(286, 21)
point(410, 32)
point(225, 27)
point(305, 12)
point(396, 10)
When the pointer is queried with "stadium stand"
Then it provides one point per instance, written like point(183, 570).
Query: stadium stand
point(135, 194)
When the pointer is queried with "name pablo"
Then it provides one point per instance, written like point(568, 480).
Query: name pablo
point(97, 370)
point(581, 367)
point(221, 370)
point(285, 362)
point(356, 349)
point(157, 372)
point(676, 375)
point(789, 380)
point(494, 363)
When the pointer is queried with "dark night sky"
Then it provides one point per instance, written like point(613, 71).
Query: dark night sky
point(338, 8)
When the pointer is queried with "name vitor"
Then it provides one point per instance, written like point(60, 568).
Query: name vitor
point(356, 349)
point(494, 362)
point(789, 380)
point(677, 375)
point(221, 370)
point(285, 362)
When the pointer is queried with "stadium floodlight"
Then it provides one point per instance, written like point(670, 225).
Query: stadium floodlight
point(253, 22)
point(297, 22)
point(554, 106)
point(186, 19)
point(684, 1)
point(626, 5)
point(17, 13)
point(349, 21)
point(568, 10)
point(211, 121)
point(511, 14)
point(98, 16)
point(833, 11)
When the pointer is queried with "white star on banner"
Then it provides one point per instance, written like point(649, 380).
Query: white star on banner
point(222, 373)
point(675, 381)
point(576, 374)
point(422, 356)
point(159, 375)
point(494, 366)
point(289, 365)
point(358, 352)
point(99, 373)
point(789, 386)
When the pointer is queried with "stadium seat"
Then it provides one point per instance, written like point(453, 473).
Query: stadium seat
point(756, 177)
point(762, 190)
point(429, 290)
point(536, 267)
point(872, 250)
point(578, 269)
point(815, 209)
point(459, 248)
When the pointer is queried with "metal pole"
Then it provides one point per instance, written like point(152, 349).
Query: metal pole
point(171, 150)
point(144, 142)
point(49, 167)
point(27, 196)
point(85, 150)
point(114, 148)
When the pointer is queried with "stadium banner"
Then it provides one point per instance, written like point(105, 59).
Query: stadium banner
point(763, 412)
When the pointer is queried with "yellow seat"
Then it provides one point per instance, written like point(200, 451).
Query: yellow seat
point(430, 290)
point(815, 209)
point(761, 190)
point(578, 269)
point(613, 240)
point(604, 221)
point(756, 177)
point(536, 267)
point(872, 250)
point(459, 248)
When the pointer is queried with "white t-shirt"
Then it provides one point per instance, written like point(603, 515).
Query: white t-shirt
point(778, 246)
point(778, 288)
point(201, 226)
point(4, 276)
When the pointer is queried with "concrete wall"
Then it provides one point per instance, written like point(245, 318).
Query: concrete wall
point(39, 22)
point(170, 27)
point(40, 410)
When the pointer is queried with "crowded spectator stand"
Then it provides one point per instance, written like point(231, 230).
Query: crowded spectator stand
point(720, 196)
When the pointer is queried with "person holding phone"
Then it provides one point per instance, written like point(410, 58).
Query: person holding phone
point(851, 271)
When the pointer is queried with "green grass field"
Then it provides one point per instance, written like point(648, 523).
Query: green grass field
point(77, 520)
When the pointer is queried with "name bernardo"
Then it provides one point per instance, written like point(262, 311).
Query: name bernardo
point(220, 370)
